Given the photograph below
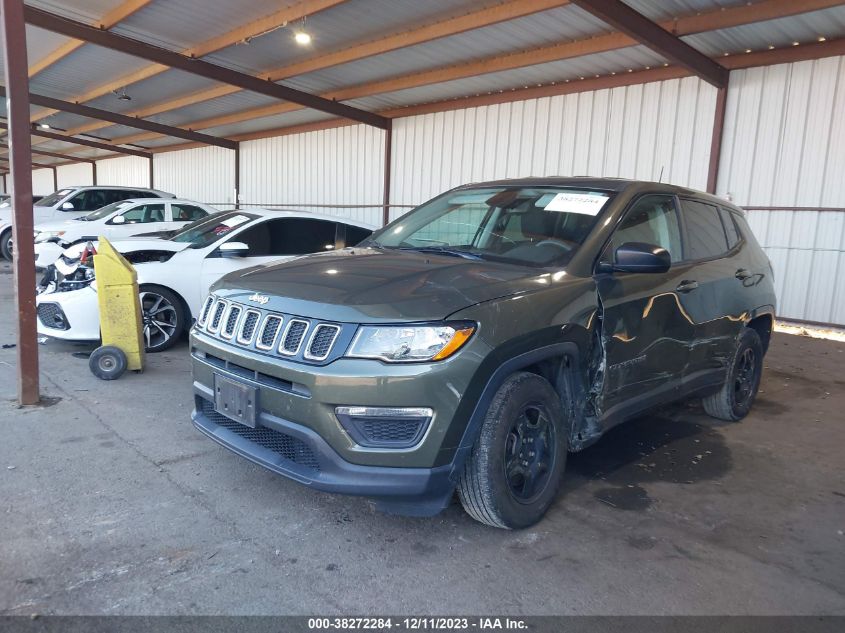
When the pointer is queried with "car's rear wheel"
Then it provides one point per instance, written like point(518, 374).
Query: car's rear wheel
point(6, 244)
point(516, 467)
point(733, 401)
point(162, 318)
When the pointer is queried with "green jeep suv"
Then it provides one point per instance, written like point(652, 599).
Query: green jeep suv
point(474, 342)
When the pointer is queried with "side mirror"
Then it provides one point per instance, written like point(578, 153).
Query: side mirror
point(638, 257)
point(118, 219)
point(234, 249)
point(68, 206)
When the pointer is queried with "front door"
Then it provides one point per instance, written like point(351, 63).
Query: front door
point(645, 331)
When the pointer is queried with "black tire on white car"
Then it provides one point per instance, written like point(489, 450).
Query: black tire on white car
point(6, 244)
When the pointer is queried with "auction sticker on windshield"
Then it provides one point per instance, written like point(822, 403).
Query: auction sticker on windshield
point(584, 203)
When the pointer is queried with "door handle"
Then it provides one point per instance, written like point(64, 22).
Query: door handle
point(686, 286)
point(742, 274)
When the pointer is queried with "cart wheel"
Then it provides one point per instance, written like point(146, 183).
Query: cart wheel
point(107, 362)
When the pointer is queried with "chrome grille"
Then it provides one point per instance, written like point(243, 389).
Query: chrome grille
point(292, 340)
point(231, 324)
point(248, 327)
point(322, 339)
point(206, 308)
point(269, 331)
point(217, 315)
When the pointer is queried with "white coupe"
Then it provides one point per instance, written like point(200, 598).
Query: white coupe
point(118, 220)
point(175, 270)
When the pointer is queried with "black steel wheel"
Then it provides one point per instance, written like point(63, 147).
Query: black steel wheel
point(162, 318)
point(516, 467)
point(734, 399)
point(107, 362)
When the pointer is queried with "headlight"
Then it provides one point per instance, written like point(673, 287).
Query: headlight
point(407, 343)
point(44, 236)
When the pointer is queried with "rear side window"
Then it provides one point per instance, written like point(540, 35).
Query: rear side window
point(289, 236)
point(705, 233)
point(186, 212)
point(730, 227)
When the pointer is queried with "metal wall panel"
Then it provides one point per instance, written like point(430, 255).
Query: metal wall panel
point(76, 175)
point(636, 131)
point(784, 146)
point(42, 181)
point(126, 171)
point(205, 174)
point(337, 166)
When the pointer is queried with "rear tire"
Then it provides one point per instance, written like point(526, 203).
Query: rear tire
point(734, 399)
point(6, 244)
point(516, 467)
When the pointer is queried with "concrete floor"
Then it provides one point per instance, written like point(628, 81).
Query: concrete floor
point(112, 503)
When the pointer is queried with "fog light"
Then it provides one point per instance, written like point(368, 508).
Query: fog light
point(385, 427)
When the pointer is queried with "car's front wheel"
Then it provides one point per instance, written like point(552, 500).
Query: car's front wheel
point(6, 244)
point(516, 466)
point(734, 399)
point(162, 318)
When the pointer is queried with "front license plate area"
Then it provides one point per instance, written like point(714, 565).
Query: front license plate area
point(235, 400)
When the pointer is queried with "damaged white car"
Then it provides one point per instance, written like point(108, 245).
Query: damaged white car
point(176, 269)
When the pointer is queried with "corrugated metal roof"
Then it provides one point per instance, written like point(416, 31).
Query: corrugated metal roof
point(667, 9)
point(82, 10)
point(804, 28)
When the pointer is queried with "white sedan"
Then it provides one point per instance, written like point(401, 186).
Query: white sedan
point(125, 218)
point(176, 270)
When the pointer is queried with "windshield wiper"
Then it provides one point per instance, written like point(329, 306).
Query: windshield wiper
point(442, 250)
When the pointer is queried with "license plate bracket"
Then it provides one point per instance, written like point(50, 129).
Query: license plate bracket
point(236, 400)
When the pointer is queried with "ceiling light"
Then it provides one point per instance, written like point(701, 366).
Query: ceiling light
point(747, 50)
point(302, 38)
point(44, 126)
point(121, 95)
point(822, 38)
point(795, 43)
point(771, 47)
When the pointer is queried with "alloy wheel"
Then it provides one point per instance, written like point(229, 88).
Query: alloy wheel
point(745, 377)
point(159, 318)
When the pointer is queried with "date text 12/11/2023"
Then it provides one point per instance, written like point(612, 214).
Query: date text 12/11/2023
point(417, 623)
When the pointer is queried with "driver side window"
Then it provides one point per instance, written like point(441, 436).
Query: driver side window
point(651, 220)
point(145, 213)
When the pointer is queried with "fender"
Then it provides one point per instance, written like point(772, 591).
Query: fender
point(505, 369)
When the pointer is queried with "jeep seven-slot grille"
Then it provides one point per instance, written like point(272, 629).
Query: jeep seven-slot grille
point(321, 341)
point(206, 308)
point(217, 315)
point(293, 336)
point(269, 332)
point(231, 321)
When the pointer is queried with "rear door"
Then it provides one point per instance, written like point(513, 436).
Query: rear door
point(645, 330)
point(716, 304)
point(142, 218)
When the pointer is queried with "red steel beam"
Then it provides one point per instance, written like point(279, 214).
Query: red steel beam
point(17, 80)
point(83, 141)
point(636, 25)
point(716, 139)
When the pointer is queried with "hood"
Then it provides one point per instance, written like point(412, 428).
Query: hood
point(59, 225)
point(373, 285)
point(132, 244)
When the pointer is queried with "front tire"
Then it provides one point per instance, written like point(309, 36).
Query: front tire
point(6, 244)
point(734, 399)
point(516, 467)
point(162, 318)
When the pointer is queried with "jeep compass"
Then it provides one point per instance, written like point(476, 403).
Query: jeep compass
point(471, 344)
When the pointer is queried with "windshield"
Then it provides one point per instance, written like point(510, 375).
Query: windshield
point(208, 230)
point(524, 225)
point(106, 211)
point(53, 198)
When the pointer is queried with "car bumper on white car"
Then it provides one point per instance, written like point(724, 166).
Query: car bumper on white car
point(70, 316)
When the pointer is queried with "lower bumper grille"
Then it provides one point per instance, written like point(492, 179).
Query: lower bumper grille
point(290, 448)
point(52, 316)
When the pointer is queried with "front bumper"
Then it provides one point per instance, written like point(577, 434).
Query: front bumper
point(81, 311)
point(299, 453)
